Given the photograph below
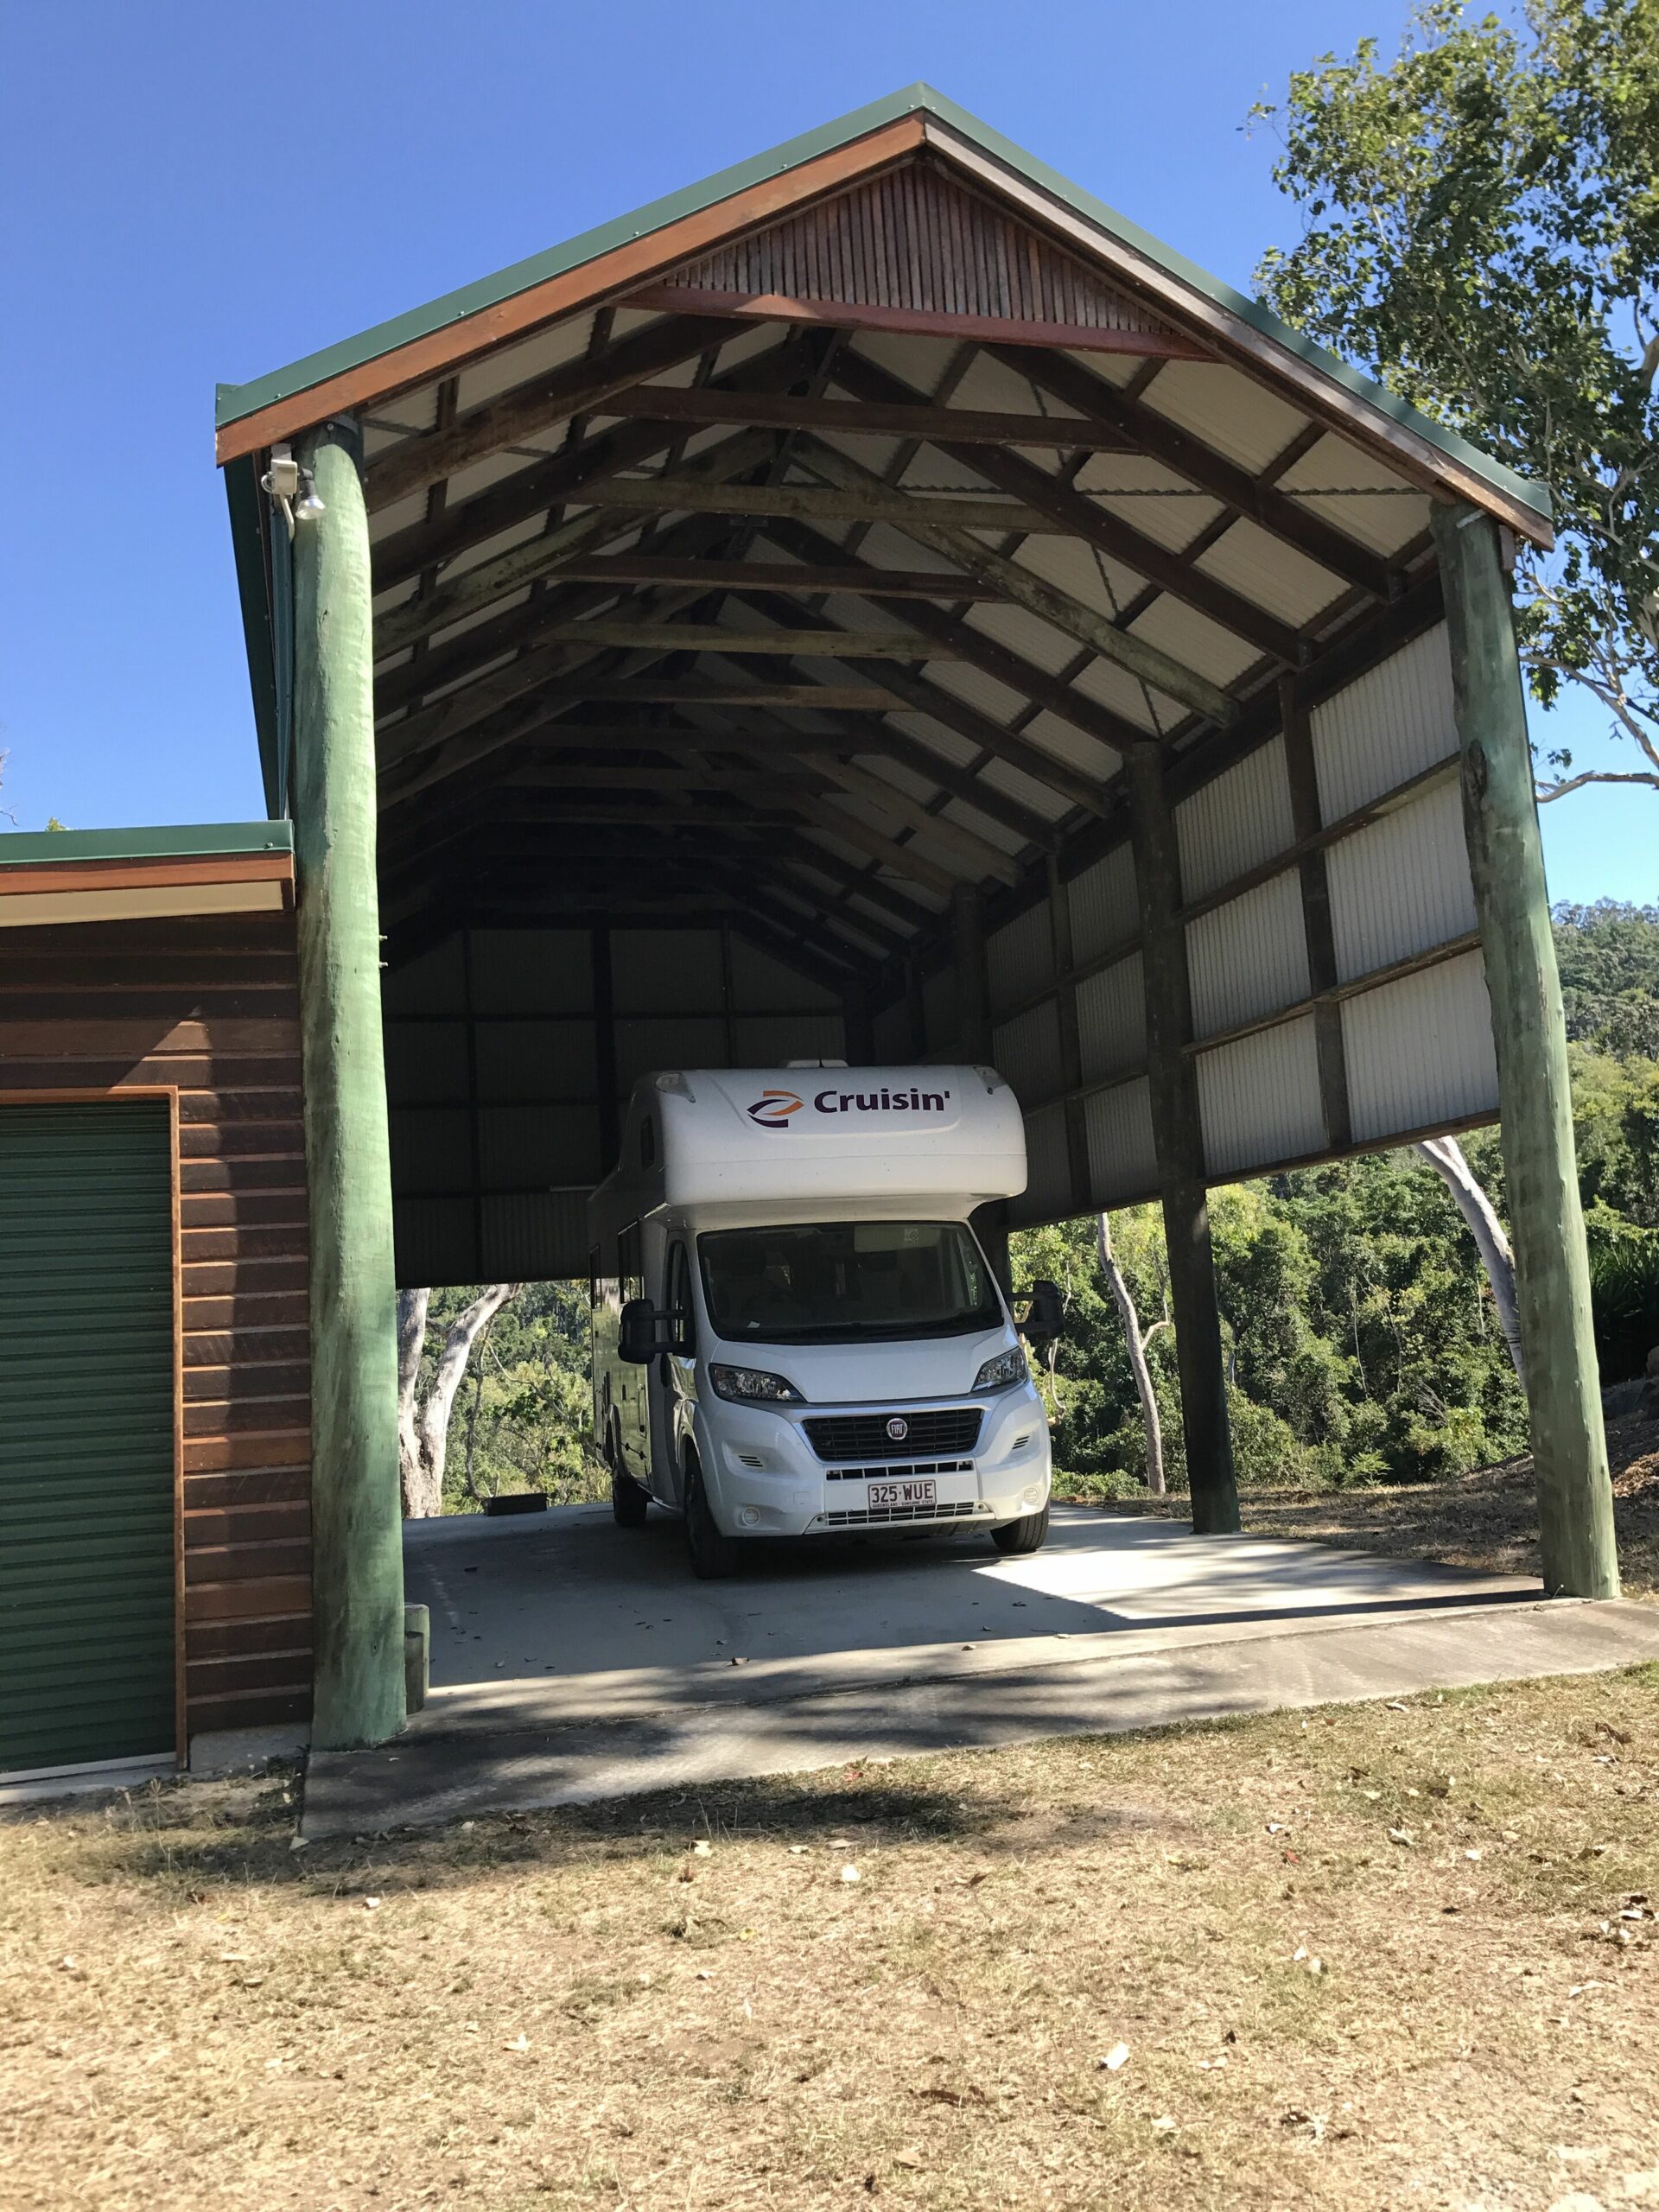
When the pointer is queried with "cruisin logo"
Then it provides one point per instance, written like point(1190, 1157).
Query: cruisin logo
point(772, 1109)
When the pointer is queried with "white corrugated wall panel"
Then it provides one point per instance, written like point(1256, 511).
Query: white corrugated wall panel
point(1259, 1098)
point(1241, 819)
point(1122, 1157)
point(1387, 727)
point(1112, 1020)
point(1248, 956)
point(1419, 1050)
point(1019, 958)
point(1027, 1051)
point(1105, 905)
point(1400, 885)
point(1047, 1195)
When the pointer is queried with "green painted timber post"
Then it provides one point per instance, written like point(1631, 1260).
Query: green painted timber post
point(1178, 1135)
point(356, 1513)
point(1500, 820)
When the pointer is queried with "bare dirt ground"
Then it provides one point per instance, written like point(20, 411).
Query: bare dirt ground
point(1487, 1519)
point(1371, 1957)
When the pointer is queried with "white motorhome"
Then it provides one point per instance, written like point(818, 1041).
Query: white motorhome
point(795, 1330)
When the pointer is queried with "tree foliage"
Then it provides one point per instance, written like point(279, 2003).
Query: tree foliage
point(1482, 232)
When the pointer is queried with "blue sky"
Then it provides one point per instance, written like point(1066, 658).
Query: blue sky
point(197, 194)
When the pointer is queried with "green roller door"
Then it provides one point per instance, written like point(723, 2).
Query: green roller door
point(86, 1593)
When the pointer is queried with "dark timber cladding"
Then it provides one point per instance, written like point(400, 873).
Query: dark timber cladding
point(794, 567)
point(124, 1014)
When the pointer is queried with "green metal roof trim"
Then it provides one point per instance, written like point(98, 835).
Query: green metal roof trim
point(194, 840)
point(236, 401)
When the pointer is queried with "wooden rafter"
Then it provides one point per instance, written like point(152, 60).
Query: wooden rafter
point(858, 418)
point(860, 578)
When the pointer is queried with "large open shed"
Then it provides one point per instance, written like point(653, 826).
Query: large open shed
point(880, 603)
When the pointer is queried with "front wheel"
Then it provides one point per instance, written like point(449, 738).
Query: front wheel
point(713, 1556)
point(1015, 1538)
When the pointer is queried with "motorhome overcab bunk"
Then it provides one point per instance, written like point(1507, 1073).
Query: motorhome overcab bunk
point(795, 1330)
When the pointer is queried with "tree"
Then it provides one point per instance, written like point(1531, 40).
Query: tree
point(1482, 232)
point(1135, 1342)
point(423, 1423)
point(1445, 1155)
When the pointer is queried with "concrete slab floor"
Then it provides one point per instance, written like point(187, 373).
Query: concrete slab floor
point(572, 1659)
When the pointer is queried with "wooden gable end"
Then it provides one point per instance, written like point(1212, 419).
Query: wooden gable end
point(914, 249)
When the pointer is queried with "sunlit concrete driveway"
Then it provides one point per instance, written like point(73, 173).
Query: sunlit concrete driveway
point(572, 1660)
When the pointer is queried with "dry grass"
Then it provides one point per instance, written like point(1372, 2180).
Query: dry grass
point(579, 2010)
point(1485, 1520)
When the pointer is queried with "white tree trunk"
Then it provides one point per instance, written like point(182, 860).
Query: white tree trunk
point(423, 1430)
point(1445, 1155)
point(1137, 1349)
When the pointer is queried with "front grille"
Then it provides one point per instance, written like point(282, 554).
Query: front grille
point(864, 1436)
point(886, 1473)
point(868, 1517)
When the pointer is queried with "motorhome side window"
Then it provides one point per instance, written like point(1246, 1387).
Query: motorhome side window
point(630, 1262)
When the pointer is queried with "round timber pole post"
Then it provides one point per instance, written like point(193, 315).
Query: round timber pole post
point(1177, 1135)
point(356, 1513)
point(1500, 822)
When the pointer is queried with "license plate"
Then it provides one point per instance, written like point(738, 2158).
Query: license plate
point(916, 1493)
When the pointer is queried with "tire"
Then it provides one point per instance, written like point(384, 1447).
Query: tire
point(1014, 1539)
point(629, 1503)
point(713, 1556)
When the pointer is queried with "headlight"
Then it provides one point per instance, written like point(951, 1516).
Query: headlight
point(755, 1385)
point(1004, 1371)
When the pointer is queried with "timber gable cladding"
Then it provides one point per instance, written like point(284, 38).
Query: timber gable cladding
point(207, 1006)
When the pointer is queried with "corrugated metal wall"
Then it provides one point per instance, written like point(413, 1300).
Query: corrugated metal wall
point(1405, 1000)
point(500, 1047)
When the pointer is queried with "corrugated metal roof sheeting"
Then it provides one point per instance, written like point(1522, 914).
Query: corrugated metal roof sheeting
point(920, 361)
point(950, 744)
point(1088, 575)
point(1248, 958)
point(1111, 686)
point(545, 349)
point(1012, 783)
point(1194, 639)
point(1264, 569)
point(536, 1237)
point(1020, 958)
point(1419, 1050)
point(769, 1040)
point(1053, 734)
point(939, 1012)
point(1105, 905)
point(1046, 648)
point(966, 681)
point(1171, 523)
point(1112, 1020)
point(1027, 1051)
point(1235, 822)
point(1385, 523)
point(1259, 1098)
point(1226, 409)
point(1386, 727)
point(1047, 1195)
point(1123, 1156)
point(990, 383)
point(1400, 885)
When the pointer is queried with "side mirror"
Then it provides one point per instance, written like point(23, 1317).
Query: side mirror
point(647, 1331)
point(1044, 1321)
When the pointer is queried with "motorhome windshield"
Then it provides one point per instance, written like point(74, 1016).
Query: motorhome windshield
point(841, 1281)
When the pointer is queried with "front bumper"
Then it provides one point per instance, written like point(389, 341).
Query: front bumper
point(763, 1478)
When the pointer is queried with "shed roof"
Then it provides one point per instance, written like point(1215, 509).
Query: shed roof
point(85, 875)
